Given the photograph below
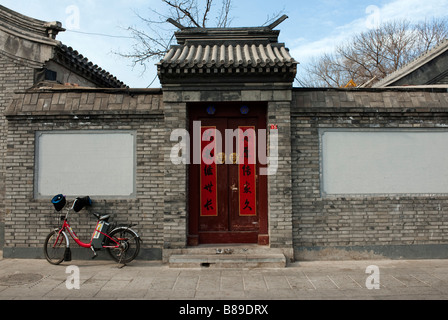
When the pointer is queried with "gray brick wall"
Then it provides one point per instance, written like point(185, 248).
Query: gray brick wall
point(13, 76)
point(279, 184)
point(300, 217)
point(175, 179)
point(27, 219)
point(356, 226)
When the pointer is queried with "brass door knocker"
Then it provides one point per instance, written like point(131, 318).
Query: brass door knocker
point(234, 158)
point(221, 159)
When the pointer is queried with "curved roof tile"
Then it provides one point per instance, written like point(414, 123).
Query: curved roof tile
point(76, 60)
point(199, 56)
point(248, 54)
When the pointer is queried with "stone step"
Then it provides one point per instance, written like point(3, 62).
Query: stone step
point(227, 260)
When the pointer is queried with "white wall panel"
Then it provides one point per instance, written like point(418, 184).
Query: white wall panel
point(384, 161)
point(95, 163)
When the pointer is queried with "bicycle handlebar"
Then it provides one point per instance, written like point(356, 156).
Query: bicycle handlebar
point(81, 203)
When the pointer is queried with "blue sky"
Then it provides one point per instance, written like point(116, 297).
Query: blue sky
point(313, 27)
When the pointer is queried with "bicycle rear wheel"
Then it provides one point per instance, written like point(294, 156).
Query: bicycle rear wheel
point(54, 247)
point(129, 245)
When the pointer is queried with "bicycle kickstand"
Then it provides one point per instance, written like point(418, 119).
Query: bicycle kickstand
point(119, 262)
point(121, 265)
point(94, 253)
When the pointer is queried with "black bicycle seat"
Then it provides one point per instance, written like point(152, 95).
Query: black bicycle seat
point(100, 217)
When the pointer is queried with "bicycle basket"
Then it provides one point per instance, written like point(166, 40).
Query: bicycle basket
point(59, 202)
point(80, 203)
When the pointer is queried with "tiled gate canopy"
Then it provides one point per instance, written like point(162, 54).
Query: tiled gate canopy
point(223, 54)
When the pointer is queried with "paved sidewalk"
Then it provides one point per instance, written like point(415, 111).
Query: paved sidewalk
point(143, 280)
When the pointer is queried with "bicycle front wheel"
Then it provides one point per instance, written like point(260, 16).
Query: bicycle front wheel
point(54, 247)
point(129, 245)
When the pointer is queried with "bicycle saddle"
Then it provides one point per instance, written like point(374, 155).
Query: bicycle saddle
point(101, 218)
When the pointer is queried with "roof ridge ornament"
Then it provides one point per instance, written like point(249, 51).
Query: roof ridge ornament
point(271, 26)
point(278, 22)
point(176, 24)
point(53, 28)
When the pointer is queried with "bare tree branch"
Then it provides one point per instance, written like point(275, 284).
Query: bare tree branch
point(273, 17)
point(432, 32)
point(375, 53)
point(178, 5)
point(206, 11)
point(153, 41)
point(223, 19)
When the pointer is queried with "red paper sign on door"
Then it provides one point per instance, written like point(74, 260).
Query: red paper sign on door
point(209, 174)
point(247, 171)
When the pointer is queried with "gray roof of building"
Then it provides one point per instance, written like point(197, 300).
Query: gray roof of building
point(228, 51)
point(74, 60)
point(50, 99)
point(39, 31)
point(417, 63)
point(226, 56)
point(27, 26)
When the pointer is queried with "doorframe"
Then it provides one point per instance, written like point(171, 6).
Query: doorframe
point(228, 110)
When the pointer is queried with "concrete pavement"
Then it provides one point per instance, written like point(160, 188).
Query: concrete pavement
point(144, 280)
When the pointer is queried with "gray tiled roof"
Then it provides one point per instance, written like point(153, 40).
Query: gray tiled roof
point(398, 100)
point(18, 26)
point(27, 26)
point(225, 56)
point(74, 60)
point(59, 100)
point(240, 54)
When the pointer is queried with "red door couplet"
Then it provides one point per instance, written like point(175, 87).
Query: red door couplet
point(208, 174)
point(247, 171)
point(227, 195)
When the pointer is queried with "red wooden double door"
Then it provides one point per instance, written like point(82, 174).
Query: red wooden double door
point(227, 194)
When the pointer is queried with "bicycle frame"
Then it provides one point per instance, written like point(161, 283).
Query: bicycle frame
point(66, 227)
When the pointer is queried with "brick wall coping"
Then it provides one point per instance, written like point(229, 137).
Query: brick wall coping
point(69, 100)
point(405, 99)
point(64, 100)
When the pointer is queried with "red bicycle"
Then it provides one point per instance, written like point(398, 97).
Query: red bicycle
point(122, 243)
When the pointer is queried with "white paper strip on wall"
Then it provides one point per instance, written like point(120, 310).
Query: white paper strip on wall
point(384, 161)
point(96, 163)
